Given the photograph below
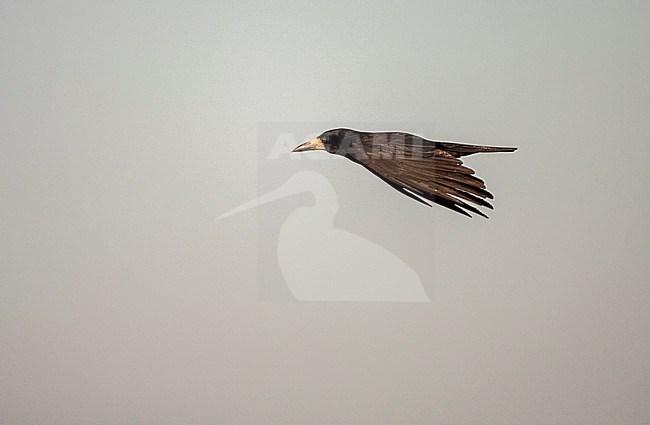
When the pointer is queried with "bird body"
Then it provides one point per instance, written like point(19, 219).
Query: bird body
point(422, 169)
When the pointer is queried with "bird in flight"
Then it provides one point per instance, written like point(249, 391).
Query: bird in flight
point(425, 170)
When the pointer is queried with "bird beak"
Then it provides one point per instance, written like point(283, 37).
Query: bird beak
point(312, 145)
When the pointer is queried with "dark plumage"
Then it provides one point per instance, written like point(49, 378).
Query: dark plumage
point(419, 168)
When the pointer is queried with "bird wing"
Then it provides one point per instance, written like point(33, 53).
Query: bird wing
point(430, 173)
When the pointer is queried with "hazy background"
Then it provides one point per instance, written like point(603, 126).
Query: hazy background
point(127, 127)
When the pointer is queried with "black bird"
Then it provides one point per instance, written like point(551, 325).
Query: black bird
point(419, 168)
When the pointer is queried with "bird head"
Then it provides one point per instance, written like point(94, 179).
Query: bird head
point(332, 141)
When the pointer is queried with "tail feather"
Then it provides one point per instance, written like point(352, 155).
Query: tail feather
point(459, 150)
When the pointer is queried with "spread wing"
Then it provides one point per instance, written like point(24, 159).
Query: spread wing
point(429, 170)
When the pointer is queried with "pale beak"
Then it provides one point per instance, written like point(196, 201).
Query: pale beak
point(312, 145)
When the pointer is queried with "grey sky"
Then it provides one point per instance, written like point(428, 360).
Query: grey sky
point(128, 127)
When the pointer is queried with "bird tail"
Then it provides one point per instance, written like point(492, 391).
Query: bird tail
point(458, 149)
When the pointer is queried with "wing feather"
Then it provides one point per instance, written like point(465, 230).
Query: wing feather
point(426, 169)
